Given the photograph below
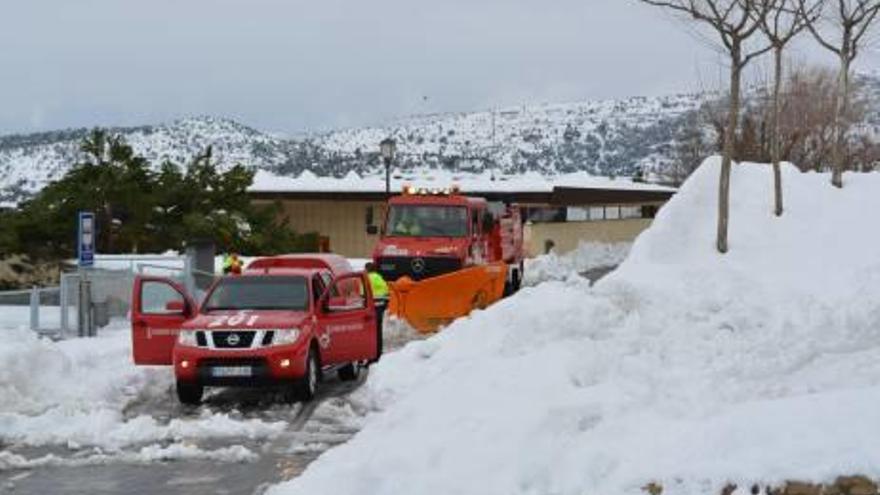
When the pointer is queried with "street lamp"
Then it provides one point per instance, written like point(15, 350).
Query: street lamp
point(387, 148)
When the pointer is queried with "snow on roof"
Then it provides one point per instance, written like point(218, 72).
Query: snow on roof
point(307, 181)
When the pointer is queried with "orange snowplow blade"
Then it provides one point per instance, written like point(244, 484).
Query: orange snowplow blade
point(432, 303)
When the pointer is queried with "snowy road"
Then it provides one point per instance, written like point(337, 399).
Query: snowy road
point(76, 417)
point(317, 425)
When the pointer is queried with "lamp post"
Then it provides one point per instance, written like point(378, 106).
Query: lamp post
point(387, 148)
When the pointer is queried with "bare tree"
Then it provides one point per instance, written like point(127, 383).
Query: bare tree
point(735, 22)
point(806, 122)
point(786, 22)
point(849, 22)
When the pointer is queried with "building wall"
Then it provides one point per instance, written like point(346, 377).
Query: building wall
point(567, 235)
point(343, 222)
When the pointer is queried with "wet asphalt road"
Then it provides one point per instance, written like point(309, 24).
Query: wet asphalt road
point(276, 461)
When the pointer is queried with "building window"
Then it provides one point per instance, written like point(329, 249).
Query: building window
point(577, 214)
point(612, 213)
point(545, 215)
point(588, 213)
point(628, 212)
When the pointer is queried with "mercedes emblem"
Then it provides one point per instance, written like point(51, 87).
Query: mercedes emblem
point(418, 265)
point(233, 339)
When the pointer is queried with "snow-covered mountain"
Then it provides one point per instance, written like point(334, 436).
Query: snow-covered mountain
point(607, 138)
point(603, 138)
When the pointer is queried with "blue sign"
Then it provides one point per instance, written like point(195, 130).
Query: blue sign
point(85, 239)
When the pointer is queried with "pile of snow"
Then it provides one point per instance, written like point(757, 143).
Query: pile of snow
point(145, 455)
point(684, 367)
point(588, 256)
point(77, 394)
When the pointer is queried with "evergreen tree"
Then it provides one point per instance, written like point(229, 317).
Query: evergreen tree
point(140, 210)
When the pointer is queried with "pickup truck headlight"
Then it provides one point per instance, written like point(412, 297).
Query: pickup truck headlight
point(284, 336)
point(187, 338)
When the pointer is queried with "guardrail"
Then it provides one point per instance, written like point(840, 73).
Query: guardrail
point(87, 299)
point(35, 300)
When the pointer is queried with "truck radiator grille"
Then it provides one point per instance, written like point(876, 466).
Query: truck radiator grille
point(416, 268)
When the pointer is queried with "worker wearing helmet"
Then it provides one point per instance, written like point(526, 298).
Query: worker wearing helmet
point(380, 296)
point(232, 264)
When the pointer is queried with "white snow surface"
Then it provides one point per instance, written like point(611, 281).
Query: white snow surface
point(684, 367)
point(587, 256)
point(75, 393)
point(265, 181)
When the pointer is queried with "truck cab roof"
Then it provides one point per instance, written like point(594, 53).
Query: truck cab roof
point(300, 264)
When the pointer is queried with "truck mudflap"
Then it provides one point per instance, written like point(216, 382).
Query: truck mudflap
point(432, 303)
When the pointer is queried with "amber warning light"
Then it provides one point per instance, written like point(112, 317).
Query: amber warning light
point(409, 190)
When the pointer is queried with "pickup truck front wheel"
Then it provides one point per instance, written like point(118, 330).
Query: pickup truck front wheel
point(304, 388)
point(190, 393)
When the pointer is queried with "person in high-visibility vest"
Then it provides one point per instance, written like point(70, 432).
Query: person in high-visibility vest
point(232, 264)
point(380, 297)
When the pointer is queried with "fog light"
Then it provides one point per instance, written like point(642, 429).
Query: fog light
point(184, 364)
point(285, 363)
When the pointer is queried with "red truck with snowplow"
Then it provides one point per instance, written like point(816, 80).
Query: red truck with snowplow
point(285, 321)
point(447, 254)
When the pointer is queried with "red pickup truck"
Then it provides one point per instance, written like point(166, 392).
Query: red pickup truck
point(286, 320)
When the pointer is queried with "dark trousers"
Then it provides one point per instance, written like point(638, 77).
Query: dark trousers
point(381, 304)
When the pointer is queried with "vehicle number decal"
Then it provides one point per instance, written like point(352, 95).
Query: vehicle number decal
point(234, 320)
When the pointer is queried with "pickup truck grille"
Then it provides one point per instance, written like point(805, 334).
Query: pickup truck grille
point(233, 339)
point(416, 268)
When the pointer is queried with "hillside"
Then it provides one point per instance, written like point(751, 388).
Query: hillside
point(606, 138)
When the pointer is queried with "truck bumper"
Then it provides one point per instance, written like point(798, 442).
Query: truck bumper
point(265, 366)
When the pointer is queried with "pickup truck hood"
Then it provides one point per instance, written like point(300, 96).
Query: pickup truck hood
point(246, 320)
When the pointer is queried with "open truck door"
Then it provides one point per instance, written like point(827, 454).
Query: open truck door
point(347, 315)
point(159, 306)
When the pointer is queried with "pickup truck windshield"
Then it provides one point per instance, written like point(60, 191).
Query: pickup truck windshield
point(259, 292)
point(427, 221)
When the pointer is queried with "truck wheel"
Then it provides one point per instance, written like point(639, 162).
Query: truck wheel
point(350, 372)
point(190, 393)
point(304, 388)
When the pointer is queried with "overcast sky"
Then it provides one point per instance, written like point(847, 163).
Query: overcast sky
point(290, 65)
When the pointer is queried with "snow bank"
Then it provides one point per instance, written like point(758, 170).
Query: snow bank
point(76, 393)
point(683, 367)
point(588, 256)
point(146, 455)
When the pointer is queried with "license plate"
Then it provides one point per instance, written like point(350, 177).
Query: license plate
point(227, 371)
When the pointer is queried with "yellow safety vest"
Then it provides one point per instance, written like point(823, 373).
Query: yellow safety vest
point(379, 286)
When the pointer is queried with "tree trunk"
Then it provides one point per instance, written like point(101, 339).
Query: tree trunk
point(776, 137)
point(840, 104)
point(729, 137)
